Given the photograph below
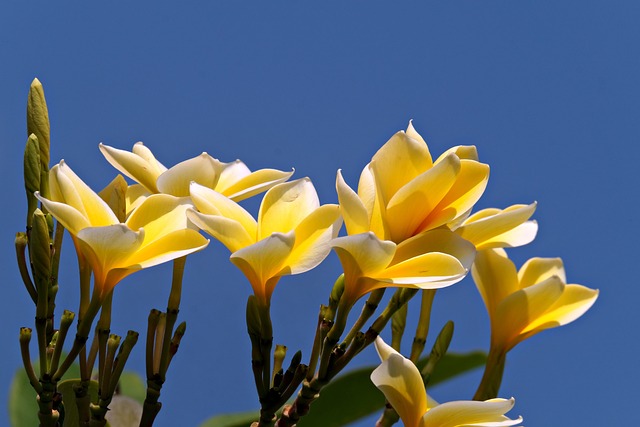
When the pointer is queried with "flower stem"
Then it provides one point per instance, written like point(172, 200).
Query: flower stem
point(492, 377)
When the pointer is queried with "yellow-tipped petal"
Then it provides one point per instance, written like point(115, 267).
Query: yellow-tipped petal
point(313, 238)
point(495, 276)
point(142, 169)
point(397, 162)
point(440, 240)
point(76, 193)
point(285, 205)
point(536, 270)
point(211, 202)
point(413, 202)
point(363, 254)
point(203, 169)
point(465, 192)
point(518, 310)
point(489, 413)
point(232, 173)
point(425, 270)
point(72, 219)
point(496, 228)
point(228, 231)
point(263, 261)
point(114, 195)
point(573, 303)
point(469, 152)
point(400, 381)
point(413, 133)
point(255, 183)
point(354, 212)
point(136, 194)
point(167, 247)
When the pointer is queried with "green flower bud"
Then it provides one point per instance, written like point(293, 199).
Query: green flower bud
point(38, 124)
point(31, 174)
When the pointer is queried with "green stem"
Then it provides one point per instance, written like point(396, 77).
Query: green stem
point(492, 377)
point(422, 329)
point(368, 309)
point(173, 307)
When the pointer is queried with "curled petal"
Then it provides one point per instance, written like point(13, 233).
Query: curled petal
point(496, 228)
point(285, 206)
point(136, 194)
point(495, 276)
point(536, 270)
point(72, 219)
point(226, 230)
point(489, 413)
point(203, 169)
point(441, 240)
point(160, 214)
point(211, 202)
point(363, 254)
point(400, 381)
point(170, 246)
point(252, 184)
point(426, 271)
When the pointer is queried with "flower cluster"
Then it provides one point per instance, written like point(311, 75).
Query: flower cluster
point(409, 225)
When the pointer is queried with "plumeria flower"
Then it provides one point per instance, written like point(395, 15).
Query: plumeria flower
point(431, 260)
point(400, 381)
point(156, 232)
point(291, 235)
point(403, 192)
point(525, 302)
point(233, 180)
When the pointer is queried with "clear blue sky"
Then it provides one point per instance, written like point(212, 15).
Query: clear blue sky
point(547, 90)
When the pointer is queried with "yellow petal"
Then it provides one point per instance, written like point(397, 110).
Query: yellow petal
point(401, 383)
point(203, 169)
point(227, 231)
point(368, 193)
point(285, 206)
point(76, 193)
point(211, 202)
point(114, 195)
point(264, 261)
point(518, 310)
point(313, 237)
point(573, 303)
point(465, 192)
point(136, 194)
point(397, 162)
point(468, 152)
point(413, 133)
point(536, 270)
point(363, 254)
point(415, 201)
point(492, 228)
point(68, 216)
point(160, 214)
point(489, 413)
point(384, 350)
point(170, 246)
point(140, 165)
point(495, 277)
point(425, 271)
point(107, 248)
point(440, 240)
point(254, 183)
point(356, 217)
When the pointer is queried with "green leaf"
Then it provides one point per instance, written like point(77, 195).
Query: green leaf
point(132, 385)
point(23, 408)
point(69, 399)
point(242, 419)
point(336, 406)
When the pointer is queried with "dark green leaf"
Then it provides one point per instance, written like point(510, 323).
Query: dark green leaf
point(69, 399)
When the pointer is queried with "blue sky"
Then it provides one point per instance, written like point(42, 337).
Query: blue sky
point(547, 90)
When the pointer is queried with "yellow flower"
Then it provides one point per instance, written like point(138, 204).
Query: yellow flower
point(292, 234)
point(525, 302)
point(156, 232)
point(403, 192)
point(431, 260)
point(400, 381)
point(234, 179)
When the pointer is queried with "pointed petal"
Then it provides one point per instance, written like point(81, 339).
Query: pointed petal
point(384, 350)
point(518, 310)
point(536, 270)
point(255, 183)
point(518, 236)
point(285, 206)
point(415, 201)
point(263, 261)
point(313, 238)
point(495, 277)
point(160, 214)
point(465, 192)
point(413, 133)
point(440, 240)
point(136, 194)
point(142, 169)
point(228, 231)
point(573, 303)
point(211, 202)
point(489, 230)
point(203, 169)
point(363, 254)
point(232, 173)
point(424, 271)
point(468, 152)
point(400, 382)
point(67, 215)
point(114, 194)
point(356, 217)
point(76, 193)
point(397, 162)
point(471, 413)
